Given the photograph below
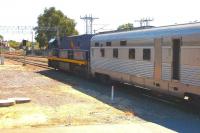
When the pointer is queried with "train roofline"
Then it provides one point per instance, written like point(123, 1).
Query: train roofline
point(163, 31)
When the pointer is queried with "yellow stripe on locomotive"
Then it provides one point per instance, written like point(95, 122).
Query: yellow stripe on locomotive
point(79, 62)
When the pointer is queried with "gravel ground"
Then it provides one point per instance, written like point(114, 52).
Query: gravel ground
point(62, 99)
point(53, 102)
point(167, 115)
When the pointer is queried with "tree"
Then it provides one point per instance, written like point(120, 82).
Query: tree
point(14, 44)
point(125, 27)
point(50, 23)
point(1, 37)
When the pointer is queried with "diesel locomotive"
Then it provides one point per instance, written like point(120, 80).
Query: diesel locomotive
point(164, 59)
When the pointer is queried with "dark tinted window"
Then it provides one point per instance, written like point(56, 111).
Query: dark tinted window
point(102, 50)
point(146, 54)
point(132, 53)
point(123, 43)
point(96, 44)
point(115, 53)
point(108, 43)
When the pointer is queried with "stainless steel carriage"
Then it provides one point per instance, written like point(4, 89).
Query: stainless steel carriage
point(164, 59)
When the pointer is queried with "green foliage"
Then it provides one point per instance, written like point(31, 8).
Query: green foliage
point(125, 27)
point(14, 44)
point(54, 20)
point(29, 44)
point(18, 45)
point(1, 37)
point(36, 45)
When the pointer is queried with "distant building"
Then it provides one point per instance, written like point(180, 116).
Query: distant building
point(5, 44)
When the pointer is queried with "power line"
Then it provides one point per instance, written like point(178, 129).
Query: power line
point(28, 30)
point(25, 29)
point(88, 23)
point(101, 28)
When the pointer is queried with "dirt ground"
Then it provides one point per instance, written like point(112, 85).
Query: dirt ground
point(52, 102)
point(63, 100)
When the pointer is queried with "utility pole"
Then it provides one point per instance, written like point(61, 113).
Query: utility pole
point(24, 47)
point(32, 49)
point(88, 23)
point(144, 22)
point(1, 57)
point(58, 36)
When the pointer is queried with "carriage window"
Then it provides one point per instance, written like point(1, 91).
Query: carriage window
point(115, 53)
point(96, 44)
point(132, 53)
point(146, 54)
point(108, 43)
point(123, 43)
point(102, 50)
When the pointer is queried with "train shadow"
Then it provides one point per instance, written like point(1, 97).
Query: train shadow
point(129, 98)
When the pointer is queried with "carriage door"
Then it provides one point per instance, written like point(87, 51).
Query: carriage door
point(176, 59)
point(158, 59)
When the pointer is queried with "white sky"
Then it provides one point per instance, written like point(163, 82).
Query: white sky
point(111, 12)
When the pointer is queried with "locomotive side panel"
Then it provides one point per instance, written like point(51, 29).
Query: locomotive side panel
point(72, 54)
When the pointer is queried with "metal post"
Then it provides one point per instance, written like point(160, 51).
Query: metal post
point(2, 60)
point(88, 65)
point(1, 53)
point(24, 62)
point(32, 49)
point(88, 23)
point(112, 93)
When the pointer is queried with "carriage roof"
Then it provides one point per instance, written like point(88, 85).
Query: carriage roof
point(157, 32)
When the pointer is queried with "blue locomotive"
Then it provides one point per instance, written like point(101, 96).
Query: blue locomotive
point(71, 54)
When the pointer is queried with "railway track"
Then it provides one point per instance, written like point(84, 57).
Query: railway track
point(178, 103)
point(30, 60)
point(182, 104)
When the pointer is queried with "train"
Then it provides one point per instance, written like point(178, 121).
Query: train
point(72, 55)
point(163, 59)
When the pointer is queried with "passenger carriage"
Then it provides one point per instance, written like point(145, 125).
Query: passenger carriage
point(164, 59)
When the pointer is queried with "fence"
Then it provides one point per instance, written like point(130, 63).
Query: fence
point(37, 52)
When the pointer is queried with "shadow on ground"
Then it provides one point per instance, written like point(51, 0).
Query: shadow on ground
point(128, 99)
